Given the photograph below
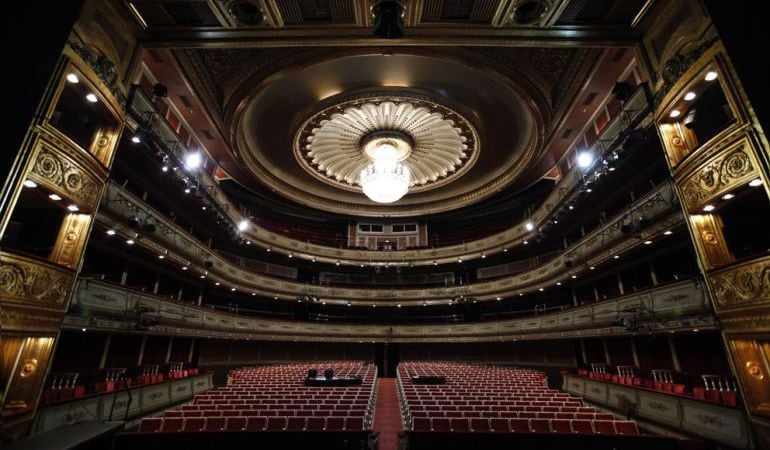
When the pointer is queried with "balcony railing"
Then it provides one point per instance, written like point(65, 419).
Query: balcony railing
point(100, 305)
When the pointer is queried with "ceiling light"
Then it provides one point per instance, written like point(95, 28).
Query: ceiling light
point(483, 256)
point(585, 159)
point(203, 276)
point(193, 160)
point(526, 242)
point(243, 225)
point(54, 197)
point(164, 168)
point(275, 298)
point(232, 289)
point(203, 207)
point(529, 226)
point(675, 113)
point(130, 241)
point(709, 208)
point(592, 267)
point(497, 298)
point(184, 267)
point(91, 97)
point(386, 179)
point(291, 255)
point(689, 96)
point(161, 257)
point(459, 260)
point(399, 305)
point(73, 208)
point(541, 289)
point(136, 139)
point(668, 233)
point(217, 283)
point(187, 190)
point(505, 250)
point(756, 182)
point(337, 263)
point(253, 294)
point(521, 294)
point(110, 232)
point(570, 207)
point(558, 283)
point(435, 263)
point(711, 75)
point(589, 190)
point(30, 184)
point(73, 78)
point(728, 196)
point(616, 256)
point(574, 277)
point(268, 249)
point(648, 242)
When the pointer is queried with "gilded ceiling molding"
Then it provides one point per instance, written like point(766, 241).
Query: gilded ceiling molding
point(33, 282)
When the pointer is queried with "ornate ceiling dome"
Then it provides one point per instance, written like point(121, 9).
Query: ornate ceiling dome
point(436, 143)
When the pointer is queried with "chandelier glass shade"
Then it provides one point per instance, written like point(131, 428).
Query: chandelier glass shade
point(385, 179)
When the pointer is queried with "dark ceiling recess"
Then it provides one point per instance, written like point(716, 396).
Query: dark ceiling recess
point(474, 11)
point(176, 13)
point(600, 12)
point(529, 11)
point(296, 12)
point(388, 21)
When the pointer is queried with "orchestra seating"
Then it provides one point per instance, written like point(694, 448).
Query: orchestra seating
point(274, 399)
point(487, 400)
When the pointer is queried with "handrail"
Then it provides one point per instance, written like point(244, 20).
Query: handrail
point(635, 111)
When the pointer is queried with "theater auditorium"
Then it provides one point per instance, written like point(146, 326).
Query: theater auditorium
point(385, 225)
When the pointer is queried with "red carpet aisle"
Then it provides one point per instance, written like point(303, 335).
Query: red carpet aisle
point(387, 414)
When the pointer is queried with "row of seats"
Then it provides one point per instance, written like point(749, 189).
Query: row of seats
point(515, 414)
point(259, 405)
point(266, 413)
point(502, 425)
point(197, 424)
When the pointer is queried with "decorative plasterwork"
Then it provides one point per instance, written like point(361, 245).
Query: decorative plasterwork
point(26, 280)
point(104, 69)
point(328, 145)
point(64, 175)
point(743, 285)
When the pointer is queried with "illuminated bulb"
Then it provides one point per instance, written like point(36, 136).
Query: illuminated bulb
point(526, 242)
point(136, 139)
point(193, 160)
point(529, 226)
point(337, 263)
point(689, 96)
point(161, 257)
point(505, 250)
point(497, 298)
point(574, 277)
point(647, 242)
point(483, 256)
point(616, 256)
point(187, 190)
point(184, 267)
point(73, 78)
point(253, 294)
point(130, 241)
point(711, 75)
point(203, 276)
point(585, 159)
point(709, 208)
point(558, 283)
point(589, 190)
point(73, 208)
point(110, 232)
point(232, 289)
point(54, 197)
point(164, 168)
point(541, 289)
point(756, 182)
point(30, 184)
point(243, 225)
point(92, 98)
point(728, 196)
point(399, 305)
point(668, 233)
point(268, 250)
point(217, 283)
point(675, 113)
point(291, 255)
point(83, 330)
point(592, 267)
point(275, 298)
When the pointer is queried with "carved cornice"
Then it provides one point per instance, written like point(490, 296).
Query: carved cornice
point(112, 306)
point(677, 66)
point(742, 285)
point(104, 69)
point(734, 166)
point(30, 281)
point(597, 247)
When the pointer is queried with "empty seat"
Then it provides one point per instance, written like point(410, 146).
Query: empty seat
point(150, 425)
point(565, 415)
point(176, 413)
point(256, 423)
point(500, 425)
point(440, 424)
point(172, 424)
point(582, 426)
point(604, 427)
point(276, 424)
point(539, 426)
point(194, 424)
point(604, 416)
point(354, 424)
point(561, 426)
point(460, 425)
point(420, 424)
point(334, 424)
point(215, 424)
point(315, 423)
point(519, 425)
point(626, 427)
point(480, 424)
point(236, 424)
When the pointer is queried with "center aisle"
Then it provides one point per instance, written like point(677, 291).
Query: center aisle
point(387, 414)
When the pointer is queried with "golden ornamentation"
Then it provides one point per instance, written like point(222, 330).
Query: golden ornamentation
point(27, 280)
point(28, 368)
point(718, 176)
point(65, 175)
point(754, 369)
point(746, 284)
point(70, 243)
point(23, 387)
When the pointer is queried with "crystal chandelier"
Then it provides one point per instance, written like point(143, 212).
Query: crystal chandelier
point(386, 179)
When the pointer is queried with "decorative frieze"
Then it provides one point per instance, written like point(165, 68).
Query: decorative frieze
point(63, 175)
point(743, 285)
point(730, 169)
point(27, 280)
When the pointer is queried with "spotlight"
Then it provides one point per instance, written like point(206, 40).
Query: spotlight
point(73, 78)
point(136, 139)
point(110, 232)
point(529, 226)
point(756, 182)
point(243, 225)
point(130, 241)
point(668, 233)
point(689, 96)
point(91, 97)
point(388, 19)
point(711, 75)
point(728, 196)
point(709, 208)
point(585, 159)
point(193, 160)
point(675, 113)
point(73, 208)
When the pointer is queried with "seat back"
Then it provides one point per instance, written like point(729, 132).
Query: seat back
point(479, 424)
point(194, 424)
point(150, 425)
point(561, 426)
point(460, 425)
point(519, 425)
point(256, 423)
point(236, 424)
point(172, 424)
point(626, 427)
point(604, 427)
point(582, 426)
point(315, 424)
point(440, 424)
point(540, 425)
point(354, 424)
point(500, 425)
point(215, 423)
point(333, 423)
point(276, 423)
point(420, 424)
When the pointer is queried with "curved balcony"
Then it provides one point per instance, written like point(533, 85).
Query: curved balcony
point(636, 112)
point(100, 305)
point(603, 244)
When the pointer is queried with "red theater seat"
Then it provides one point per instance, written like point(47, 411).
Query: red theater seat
point(540, 425)
point(150, 425)
point(276, 423)
point(440, 424)
point(480, 424)
point(236, 424)
point(354, 424)
point(315, 423)
point(194, 424)
point(420, 424)
point(519, 425)
point(626, 427)
point(215, 424)
point(334, 424)
point(582, 426)
point(561, 426)
point(460, 425)
point(256, 423)
point(172, 424)
point(500, 425)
